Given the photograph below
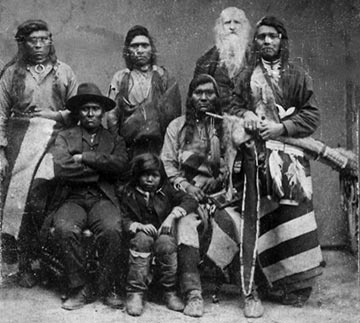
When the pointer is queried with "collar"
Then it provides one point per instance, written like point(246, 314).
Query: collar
point(91, 139)
point(145, 193)
point(274, 65)
point(272, 69)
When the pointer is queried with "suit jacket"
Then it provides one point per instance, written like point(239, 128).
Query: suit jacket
point(104, 162)
point(164, 200)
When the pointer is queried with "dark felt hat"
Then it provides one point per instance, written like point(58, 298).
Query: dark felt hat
point(89, 92)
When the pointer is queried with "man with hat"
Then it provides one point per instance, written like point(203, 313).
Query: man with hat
point(276, 98)
point(34, 87)
point(87, 161)
point(146, 97)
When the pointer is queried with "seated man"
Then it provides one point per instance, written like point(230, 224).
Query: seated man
point(87, 160)
point(193, 156)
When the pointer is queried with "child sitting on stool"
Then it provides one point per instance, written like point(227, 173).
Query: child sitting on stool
point(151, 207)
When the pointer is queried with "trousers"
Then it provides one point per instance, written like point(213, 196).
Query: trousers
point(100, 216)
point(142, 248)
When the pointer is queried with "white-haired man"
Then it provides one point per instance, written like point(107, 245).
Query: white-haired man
point(226, 59)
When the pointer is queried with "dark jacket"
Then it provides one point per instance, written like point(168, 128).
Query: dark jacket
point(103, 163)
point(297, 91)
point(164, 200)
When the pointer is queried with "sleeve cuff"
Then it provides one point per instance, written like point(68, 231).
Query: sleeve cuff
point(88, 157)
point(290, 128)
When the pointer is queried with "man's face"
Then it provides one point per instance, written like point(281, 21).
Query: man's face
point(90, 115)
point(37, 46)
point(204, 97)
point(140, 51)
point(231, 22)
point(268, 42)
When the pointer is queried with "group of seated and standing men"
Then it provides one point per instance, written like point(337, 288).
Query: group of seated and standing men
point(178, 164)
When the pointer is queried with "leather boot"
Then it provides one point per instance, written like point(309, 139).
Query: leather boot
point(82, 296)
point(135, 303)
point(253, 306)
point(173, 302)
point(137, 282)
point(194, 304)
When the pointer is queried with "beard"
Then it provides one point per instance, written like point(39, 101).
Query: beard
point(232, 48)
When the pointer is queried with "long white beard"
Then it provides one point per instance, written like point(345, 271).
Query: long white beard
point(232, 52)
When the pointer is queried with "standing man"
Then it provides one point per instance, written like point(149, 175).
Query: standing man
point(34, 87)
point(193, 156)
point(226, 60)
point(147, 97)
point(276, 99)
point(88, 159)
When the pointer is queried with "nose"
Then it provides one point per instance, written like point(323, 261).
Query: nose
point(38, 44)
point(150, 178)
point(91, 112)
point(232, 26)
point(203, 96)
point(140, 49)
point(267, 39)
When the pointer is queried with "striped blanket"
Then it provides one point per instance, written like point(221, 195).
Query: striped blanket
point(288, 248)
point(29, 140)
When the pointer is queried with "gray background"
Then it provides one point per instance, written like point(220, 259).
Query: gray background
point(324, 35)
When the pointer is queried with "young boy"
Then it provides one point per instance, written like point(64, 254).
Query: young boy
point(151, 207)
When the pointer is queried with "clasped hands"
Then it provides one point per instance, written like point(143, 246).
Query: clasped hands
point(267, 129)
point(167, 227)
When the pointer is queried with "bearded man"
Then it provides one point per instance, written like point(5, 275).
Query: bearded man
point(34, 87)
point(276, 98)
point(147, 97)
point(226, 59)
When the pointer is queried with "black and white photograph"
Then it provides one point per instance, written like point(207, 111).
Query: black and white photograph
point(179, 161)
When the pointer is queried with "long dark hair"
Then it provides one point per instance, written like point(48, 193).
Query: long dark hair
point(254, 58)
point(274, 22)
point(144, 163)
point(132, 33)
point(21, 59)
point(190, 114)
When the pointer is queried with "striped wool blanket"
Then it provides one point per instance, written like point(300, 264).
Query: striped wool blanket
point(28, 142)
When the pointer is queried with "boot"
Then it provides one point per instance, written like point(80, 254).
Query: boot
point(82, 296)
point(135, 303)
point(168, 280)
point(137, 282)
point(173, 302)
point(194, 304)
point(253, 306)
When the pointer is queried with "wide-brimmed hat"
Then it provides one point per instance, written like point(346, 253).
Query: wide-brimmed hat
point(89, 92)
